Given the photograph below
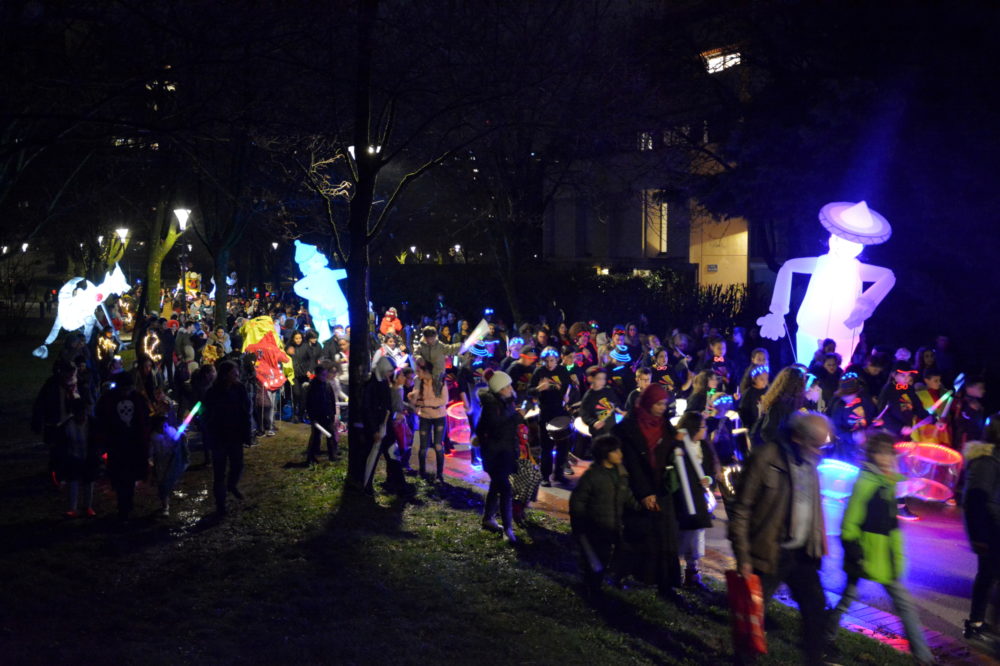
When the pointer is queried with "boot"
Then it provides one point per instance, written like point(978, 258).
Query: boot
point(692, 579)
point(490, 524)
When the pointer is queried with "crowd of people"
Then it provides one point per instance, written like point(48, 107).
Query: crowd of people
point(671, 424)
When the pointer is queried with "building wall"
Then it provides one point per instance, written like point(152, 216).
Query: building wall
point(719, 248)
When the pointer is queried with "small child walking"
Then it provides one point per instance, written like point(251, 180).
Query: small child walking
point(79, 461)
point(873, 543)
point(596, 507)
point(170, 459)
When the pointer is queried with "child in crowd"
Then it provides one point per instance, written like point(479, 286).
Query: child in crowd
point(78, 459)
point(600, 403)
point(873, 543)
point(691, 501)
point(170, 459)
point(596, 507)
point(643, 377)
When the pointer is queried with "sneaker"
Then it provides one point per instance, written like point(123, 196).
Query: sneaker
point(91, 513)
point(270, 433)
point(546, 483)
point(904, 513)
point(510, 536)
point(439, 479)
point(975, 630)
point(71, 514)
point(236, 493)
point(491, 525)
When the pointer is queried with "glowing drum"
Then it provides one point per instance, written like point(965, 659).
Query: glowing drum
point(939, 466)
point(581, 427)
point(836, 479)
point(458, 423)
point(559, 428)
point(903, 460)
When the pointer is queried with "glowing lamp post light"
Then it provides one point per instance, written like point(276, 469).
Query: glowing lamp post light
point(182, 215)
point(835, 305)
point(274, 246)
point(122, 233)
point(24, 247)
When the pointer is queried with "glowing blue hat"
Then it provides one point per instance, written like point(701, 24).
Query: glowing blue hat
point(479, 349)
point(621, 354)
point(759, 370)
point(550, 351)
point(516, 340)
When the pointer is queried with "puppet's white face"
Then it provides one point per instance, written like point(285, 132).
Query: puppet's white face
point(841, 247)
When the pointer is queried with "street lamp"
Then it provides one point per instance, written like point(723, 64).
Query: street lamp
point(458, 248)
point(4, 249)
point(274, 246)
point(182, 217)
point(24, 247)
point(413, 249)
point(190, 247)
point(100, 240)
point(122, 234)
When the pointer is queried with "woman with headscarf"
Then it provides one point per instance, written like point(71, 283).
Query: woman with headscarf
point(647, 443)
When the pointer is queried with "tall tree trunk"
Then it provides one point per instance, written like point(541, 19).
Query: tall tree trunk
point(160, 244)
point(221, 288)
point(359, 365)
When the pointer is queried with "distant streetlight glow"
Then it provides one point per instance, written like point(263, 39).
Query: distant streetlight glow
point(4, 251)
point(190, 247)
point(413, 249)
point(122, 233)
point(458, 248)
point(24, 247)
point(100, 240)
point(182, 217)
point(274, 246)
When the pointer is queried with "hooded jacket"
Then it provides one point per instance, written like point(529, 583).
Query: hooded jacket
point(497, 432)
point(870, 530)
point(599, 500)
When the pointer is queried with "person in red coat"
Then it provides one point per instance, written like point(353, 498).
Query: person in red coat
point(390, 323)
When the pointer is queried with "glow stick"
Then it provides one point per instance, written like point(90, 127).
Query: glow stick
point(477, 334)
point(187, 419)
point(322, 429)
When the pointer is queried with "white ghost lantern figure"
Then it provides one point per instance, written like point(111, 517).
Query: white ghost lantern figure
point(836, 304)
point(319, 285)
point(77, 301)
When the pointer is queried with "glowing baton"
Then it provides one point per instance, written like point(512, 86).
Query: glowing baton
point(477, 334)
point(187, 419)
point(322, 429)
point(945, 399)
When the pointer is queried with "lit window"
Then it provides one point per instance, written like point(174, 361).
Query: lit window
point(717, 60)
point(664, 218)
point(645, 140)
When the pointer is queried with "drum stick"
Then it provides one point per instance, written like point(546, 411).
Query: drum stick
point(685, 484)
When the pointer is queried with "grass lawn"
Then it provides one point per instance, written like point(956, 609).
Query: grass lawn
point(301, 572)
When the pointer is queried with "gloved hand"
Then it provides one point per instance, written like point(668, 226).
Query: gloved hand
point(772, 326)
point(863, 309)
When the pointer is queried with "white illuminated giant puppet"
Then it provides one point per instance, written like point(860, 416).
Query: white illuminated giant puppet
point(319, 286)
point(835, 305)
point(78, 299)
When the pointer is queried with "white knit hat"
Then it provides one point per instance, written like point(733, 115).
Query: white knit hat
point(499, 380)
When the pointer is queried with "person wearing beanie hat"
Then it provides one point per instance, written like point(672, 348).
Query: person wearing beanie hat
point(514, 347)
point(548, 385)
point(497, 432)
point(853, 412)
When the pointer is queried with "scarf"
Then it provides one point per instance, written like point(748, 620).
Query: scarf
point(652, 427)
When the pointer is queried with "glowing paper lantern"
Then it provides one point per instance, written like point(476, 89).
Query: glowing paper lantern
point(320, 286)
point(77, 301)
point(835, 305)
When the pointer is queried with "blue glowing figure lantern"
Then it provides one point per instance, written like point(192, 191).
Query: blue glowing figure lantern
point(320, 286)
point(835, 305)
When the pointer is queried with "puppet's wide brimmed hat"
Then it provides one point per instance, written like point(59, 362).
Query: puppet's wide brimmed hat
point(855, 222)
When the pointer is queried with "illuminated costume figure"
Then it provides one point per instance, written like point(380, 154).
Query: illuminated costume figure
point(230, 283)
point(834, 306)
point(78, 299)
point(319, 286)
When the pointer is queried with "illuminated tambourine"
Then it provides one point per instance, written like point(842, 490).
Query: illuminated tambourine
point(855, 222)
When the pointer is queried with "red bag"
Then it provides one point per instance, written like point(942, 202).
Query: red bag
point(404, 436)
point(746, 607)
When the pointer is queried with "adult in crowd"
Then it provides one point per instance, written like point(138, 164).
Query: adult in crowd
point(497, 431)
point(776, 524)
point(227, 431)
point(982, 522)
point(647, 442)
point(123, 418)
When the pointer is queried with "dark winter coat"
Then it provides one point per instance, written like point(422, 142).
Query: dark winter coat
point(982, 496)
point(701, 517)
point(760, 519)
point(123, 417)
point(598, 502)
point(497, 432)
point(227, 415)
point(320, 402)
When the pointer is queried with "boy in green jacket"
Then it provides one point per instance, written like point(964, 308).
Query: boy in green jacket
point(596, 508)
point(873, 544)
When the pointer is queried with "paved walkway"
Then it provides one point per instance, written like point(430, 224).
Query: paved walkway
point(940, 576)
